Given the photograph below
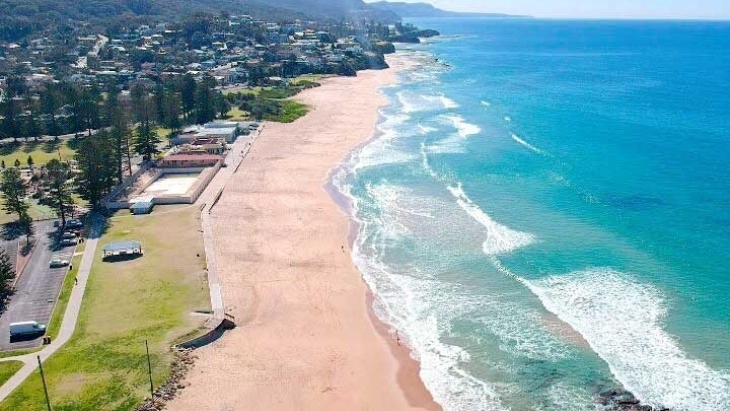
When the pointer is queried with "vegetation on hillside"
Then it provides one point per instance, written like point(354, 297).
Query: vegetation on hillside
point(19, 18)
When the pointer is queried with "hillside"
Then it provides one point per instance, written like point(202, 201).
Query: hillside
point(428, 10)
point(18, 18)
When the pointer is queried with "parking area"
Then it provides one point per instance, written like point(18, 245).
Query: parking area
point(37, 289)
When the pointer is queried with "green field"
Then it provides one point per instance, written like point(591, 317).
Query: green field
point(41, 151)
point(8, 369)
point(104, 366)
point(54, 325)
point(236, 114)
point(290, 111)
point(36, 212)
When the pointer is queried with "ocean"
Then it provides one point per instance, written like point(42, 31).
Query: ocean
point(544, 213)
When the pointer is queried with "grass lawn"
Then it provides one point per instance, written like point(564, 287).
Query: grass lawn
point(104, 366)
point(251, 90)
point(290, 111)
point(163, 132)
point(54, 325)
point(36, 212)
point(310, 78)
point(42, 152)
point(8, 369)
point(236, 114)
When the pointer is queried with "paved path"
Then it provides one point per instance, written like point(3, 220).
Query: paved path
point(37, 289)
point(238, 152)
point(233, 160)
point(70, 317)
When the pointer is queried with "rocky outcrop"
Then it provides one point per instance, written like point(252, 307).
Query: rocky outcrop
point(182, 363)
point(620, 400)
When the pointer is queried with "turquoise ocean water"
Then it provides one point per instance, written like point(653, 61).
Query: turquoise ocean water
point(544, 212)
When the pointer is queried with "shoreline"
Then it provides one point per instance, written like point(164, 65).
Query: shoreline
point(307, 335)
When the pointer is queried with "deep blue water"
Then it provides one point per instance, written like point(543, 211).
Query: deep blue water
point(545, 212)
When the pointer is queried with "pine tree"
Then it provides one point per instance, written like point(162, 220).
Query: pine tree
point(58, 184)
point(97, 170)
point(205, 101)
point(14, 190)
point(7, 275)
point(187, 93)
point(121, 136)
point(146, 141)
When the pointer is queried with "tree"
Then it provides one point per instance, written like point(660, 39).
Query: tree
point(10, 126)
point(171, 107)
point(2, 165)
point(95, 159)
point(14, 190)
point(57, 183)
point(146, 141)
point(30, 162)
point(51, 100)
point(205, 101)
point(7, 275)
point(187, 92)
point(17, 162)
point(121, 136)
point(26, 225)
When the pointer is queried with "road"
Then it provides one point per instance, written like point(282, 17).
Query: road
point(37, 289)
point(82, 62)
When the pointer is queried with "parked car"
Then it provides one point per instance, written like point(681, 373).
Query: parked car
point(74, 224)
point(69, 234)
point(26, 328)
point(58, 263)
point(66, 242)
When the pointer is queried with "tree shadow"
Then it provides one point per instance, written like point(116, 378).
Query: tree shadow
point(11, 231)
point(30, 146)
point(5, 296)
point(50, 146)
point(27, 248)
point(10, 148)
point(73, 144)
point(122, 258)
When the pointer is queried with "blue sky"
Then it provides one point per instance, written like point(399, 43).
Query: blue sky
point(658, 9)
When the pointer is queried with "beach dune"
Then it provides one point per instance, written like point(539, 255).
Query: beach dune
point(306, 339)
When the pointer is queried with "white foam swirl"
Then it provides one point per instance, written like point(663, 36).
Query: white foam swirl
point(623, 321)
point(500, 239)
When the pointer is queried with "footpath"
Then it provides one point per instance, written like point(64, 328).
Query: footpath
point(70, 317)
point(206, 201)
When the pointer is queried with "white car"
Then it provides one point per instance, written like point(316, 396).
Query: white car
point(57, 263)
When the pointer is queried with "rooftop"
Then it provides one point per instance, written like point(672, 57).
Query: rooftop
point(122, 246)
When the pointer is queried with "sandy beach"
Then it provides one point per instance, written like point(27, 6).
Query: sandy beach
point(306, 339)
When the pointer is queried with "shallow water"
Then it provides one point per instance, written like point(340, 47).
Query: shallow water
point(544, 212)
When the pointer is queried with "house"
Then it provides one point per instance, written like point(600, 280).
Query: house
point(190, 161)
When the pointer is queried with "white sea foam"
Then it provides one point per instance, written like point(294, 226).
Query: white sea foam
point(500, 239)
point(623, 321)
point(423, 130)
point(507, 119)
point(517, 138)
point(393, 199)
point(382, 149)
point(414, 103)
point(423, 310)
point(463, 127)
point(448, 103)
point(565, 397)
point(486, 103)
